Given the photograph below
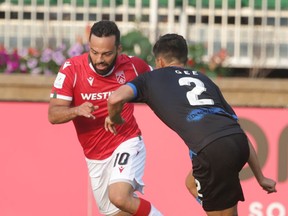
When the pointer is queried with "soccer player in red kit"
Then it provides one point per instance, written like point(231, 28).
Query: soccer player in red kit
point(80, 92)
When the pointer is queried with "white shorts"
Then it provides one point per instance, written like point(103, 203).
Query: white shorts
point(126, 164)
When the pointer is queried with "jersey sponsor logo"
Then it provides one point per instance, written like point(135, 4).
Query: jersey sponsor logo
point(59, 81)
point(198, 114)
point(96, 96)
point(120, 77)
point(90, 80)
point(66, 64)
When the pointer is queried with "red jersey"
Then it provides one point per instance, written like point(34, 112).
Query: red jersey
point(78, 82)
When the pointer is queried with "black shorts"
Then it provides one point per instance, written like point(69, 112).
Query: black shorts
point(216, 170)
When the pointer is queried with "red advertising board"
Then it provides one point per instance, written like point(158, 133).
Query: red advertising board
point(43, 171)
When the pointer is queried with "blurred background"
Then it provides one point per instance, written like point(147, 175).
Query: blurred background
point(246, 37)
point(241, 44)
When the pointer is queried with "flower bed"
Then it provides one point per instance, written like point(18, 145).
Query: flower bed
point(47, 61)
point(33, 61)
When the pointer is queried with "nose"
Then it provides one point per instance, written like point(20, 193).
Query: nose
point(99, 59)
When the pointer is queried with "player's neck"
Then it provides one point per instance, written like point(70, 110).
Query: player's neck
point(162, 62)
point(175, 64)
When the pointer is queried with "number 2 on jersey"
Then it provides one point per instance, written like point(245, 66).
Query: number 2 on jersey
point(193, 94)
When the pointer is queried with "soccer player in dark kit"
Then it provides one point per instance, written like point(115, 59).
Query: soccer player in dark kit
point(192, 105)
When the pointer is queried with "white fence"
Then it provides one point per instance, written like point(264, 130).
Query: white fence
point(255, 35)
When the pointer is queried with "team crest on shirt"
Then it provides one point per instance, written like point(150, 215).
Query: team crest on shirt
point(120, 77)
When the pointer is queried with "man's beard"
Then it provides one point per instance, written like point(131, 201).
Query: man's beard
point(107, 70)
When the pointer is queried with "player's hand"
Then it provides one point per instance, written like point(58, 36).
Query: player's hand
point(86, 109)
point(268, 185)
point(110, 125)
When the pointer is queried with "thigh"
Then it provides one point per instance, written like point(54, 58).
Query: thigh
point(128, 163)
point(216, 170)
point(100, 172)
point(125, 165)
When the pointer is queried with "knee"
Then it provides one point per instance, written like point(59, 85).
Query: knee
point(119, 196)
point(119, 200)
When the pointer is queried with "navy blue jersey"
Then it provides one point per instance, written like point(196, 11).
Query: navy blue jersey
point(189, 103)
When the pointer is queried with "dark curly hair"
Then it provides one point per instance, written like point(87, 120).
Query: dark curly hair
point(105, 28)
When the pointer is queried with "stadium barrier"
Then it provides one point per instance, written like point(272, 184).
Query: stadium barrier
point(243, 92)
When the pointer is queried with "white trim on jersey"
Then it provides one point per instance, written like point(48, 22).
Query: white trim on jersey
point(135, 69)
point(151, 68)
point(75, 79)
point(63, 97)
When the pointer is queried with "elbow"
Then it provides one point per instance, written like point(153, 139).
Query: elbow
point(51, 115)
point(51, 120)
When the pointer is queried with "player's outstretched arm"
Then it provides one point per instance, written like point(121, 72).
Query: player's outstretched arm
point(267, 184)
point(115, 105)
point(60, 111)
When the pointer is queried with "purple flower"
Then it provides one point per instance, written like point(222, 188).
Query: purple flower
point(31, 60)
point(32, 63)
point(46, 55)
point(58, 57)
point(23, 68)
point(13, 62)
point(12, 66)
point(75, 50)
point(3, 57)
point(24, 53)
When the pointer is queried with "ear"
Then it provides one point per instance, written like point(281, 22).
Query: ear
point(158, 62)
point(162, 62)
point(119, 49)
